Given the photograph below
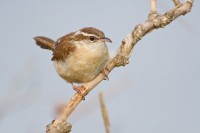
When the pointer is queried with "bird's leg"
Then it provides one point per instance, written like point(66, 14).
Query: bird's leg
point(80, 90)
point(104, 73)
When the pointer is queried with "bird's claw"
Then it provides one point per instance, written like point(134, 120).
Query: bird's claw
point(105, 74)
point(80, 90)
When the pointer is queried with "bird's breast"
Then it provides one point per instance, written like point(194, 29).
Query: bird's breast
point(84, 64)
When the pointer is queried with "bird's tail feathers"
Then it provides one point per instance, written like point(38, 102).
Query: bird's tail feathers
point(45, 43)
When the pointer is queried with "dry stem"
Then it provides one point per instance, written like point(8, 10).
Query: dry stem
point(104, 113)
point(154, 21)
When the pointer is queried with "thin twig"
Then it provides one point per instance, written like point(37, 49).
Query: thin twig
point(176, 2)
point(104, 113)
point(153, 6)
point(121, 59)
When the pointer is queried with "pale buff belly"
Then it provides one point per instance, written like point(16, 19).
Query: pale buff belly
point(82, 66)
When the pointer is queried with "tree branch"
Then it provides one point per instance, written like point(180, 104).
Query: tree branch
point(155, 21)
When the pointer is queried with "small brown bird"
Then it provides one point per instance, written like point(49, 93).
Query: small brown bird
point(78, 56)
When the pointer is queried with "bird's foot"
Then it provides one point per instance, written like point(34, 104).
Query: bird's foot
point(80, 90)
point(105, 74)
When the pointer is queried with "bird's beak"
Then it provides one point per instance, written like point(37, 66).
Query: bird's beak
point(105, 39)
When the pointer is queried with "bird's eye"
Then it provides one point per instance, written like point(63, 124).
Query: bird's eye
point(91, 38)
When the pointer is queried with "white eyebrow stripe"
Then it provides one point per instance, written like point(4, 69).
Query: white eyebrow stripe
point(85, 34)
point(77, 33)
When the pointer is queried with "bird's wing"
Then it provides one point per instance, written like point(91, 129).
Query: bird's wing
point(63, 47)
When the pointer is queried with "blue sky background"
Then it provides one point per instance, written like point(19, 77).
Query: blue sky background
point(159, 91)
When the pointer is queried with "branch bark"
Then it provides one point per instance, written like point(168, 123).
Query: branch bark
point(154, 21)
